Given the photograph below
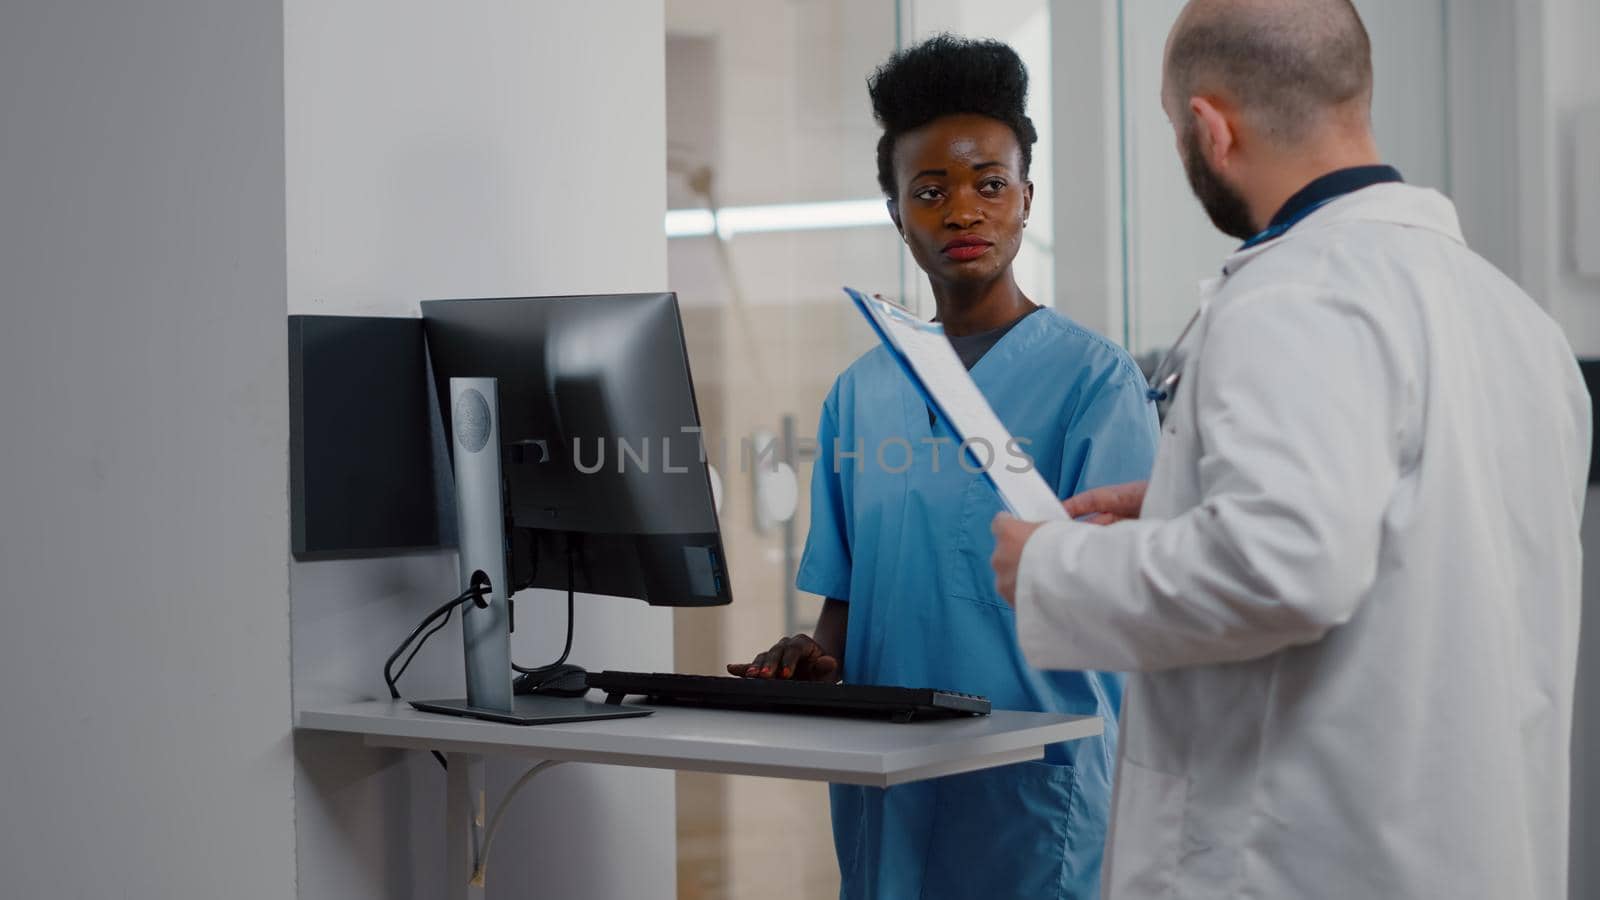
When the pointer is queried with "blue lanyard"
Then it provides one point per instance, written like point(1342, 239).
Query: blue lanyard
point(1282, 228)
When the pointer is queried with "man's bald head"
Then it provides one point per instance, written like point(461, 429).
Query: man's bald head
point(1289, 65)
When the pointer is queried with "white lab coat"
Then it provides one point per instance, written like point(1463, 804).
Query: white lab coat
point(1352, 598)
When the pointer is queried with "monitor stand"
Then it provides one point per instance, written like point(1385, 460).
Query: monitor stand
point(474, 430)
point(532, 710)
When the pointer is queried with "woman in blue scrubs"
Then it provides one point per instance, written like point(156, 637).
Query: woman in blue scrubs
point(902, 552)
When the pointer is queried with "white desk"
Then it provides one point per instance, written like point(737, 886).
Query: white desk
point(847, 751)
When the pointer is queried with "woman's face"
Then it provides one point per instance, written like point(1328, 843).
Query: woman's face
point(963, 200)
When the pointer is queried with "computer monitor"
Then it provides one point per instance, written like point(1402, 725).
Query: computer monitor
point(604, 467)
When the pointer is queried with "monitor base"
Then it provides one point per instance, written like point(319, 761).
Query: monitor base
point(533, 710)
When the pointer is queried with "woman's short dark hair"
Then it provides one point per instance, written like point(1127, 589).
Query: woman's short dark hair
point(945, 76)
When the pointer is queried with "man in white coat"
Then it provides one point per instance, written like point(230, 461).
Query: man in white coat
point(1350, 591)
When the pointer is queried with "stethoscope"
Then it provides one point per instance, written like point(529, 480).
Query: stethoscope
point(1164, 380)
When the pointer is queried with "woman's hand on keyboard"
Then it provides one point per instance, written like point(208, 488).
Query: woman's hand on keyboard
point(800, 658)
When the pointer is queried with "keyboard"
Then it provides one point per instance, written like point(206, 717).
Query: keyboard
point(897, 704)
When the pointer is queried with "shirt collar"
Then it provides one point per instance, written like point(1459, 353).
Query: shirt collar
point(1332, 185)
point(1395, 204)
point(1320, 192)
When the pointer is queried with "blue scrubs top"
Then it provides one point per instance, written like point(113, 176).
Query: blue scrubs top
point(908, 547)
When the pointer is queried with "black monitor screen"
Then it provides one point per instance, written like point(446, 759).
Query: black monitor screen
point(600, 446)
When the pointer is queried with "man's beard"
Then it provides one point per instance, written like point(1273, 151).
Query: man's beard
point(1222, 203)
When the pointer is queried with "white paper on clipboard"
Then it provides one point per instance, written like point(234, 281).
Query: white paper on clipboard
point(931, 363)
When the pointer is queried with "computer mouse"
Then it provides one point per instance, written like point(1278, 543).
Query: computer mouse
point(557, 681)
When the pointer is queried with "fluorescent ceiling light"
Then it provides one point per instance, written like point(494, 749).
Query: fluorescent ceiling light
point(734, 220)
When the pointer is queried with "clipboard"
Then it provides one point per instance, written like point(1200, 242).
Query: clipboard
point(925, 355)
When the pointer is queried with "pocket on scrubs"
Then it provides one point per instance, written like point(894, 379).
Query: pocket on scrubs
point(1005, 833)
point(1147, 832)
point(969, 573)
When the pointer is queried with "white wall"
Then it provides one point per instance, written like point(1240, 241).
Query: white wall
point(1085, 58)
point(479, 149)
point(1561, 48)
point(143, 520)
point(1481, 62)
point(1171, 245)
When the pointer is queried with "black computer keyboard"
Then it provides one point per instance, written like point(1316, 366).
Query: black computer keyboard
point(773, 695)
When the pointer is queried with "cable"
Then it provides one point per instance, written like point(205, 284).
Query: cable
point(567, 649)
point(480, 586)
point(416, 649)
point(514, 534)
point(482, 869)
point(474, 593)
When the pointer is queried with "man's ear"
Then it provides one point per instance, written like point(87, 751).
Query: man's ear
point(894, 214)
point(1217, 138)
